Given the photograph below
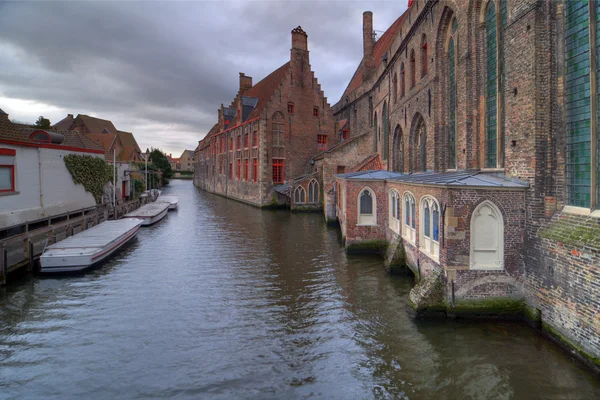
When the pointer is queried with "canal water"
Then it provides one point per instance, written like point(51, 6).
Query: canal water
point(221, 300)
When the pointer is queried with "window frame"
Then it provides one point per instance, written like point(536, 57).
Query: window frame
point(427, 244)
point(316, 112)
point(394, 210)
point(313, 186)
point(299, 191)
point(500, 257)
point(9, 153)
point(409, 230)
point(290, 108)
point(278, 163)
point(364, 219)
point(321, 142)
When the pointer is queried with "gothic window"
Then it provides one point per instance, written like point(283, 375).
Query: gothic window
point(398, 151)
point(313, 192)
point(394, 220)
point(413, 73)
point(582, 135)
point(299, 195)
point(493, 144)
point(418, 145)
point(409, 215)
point(452, 97)
point(386, 130)
point(487, 237)
point(402, 81)
point(424, 62)
point(430, 227)
point(395, 87)
point(367, 210)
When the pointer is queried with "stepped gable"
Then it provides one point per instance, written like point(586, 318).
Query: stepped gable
point(264, 89)
point(381, 47)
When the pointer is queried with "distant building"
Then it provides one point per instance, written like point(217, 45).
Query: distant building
point(268, 134)
point(186, 160)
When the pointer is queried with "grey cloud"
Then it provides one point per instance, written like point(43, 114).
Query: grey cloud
point(161, 69)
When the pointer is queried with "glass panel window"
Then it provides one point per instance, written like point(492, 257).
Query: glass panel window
point(366, 202)
point(436, 223)
point(427, 221)
point(322, 142)
point(278, 170)
point(6, 178)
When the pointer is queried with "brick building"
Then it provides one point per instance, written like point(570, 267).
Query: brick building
point(485, 118)
point(268, 134)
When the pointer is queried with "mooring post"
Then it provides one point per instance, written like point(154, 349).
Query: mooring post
point(31, 256)
point(4, 260)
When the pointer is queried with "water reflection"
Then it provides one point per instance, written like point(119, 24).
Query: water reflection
point(222, 300)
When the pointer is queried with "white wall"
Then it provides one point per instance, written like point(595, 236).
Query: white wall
point(58, 194)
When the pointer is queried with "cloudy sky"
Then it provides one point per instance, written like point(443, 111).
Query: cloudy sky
point(161, 69)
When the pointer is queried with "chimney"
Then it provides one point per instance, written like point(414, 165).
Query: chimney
point(245, 82)
point(299, 39)
point(70, 115)
point(368, 59)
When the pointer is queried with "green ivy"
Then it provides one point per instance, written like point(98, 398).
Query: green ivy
point(91, 172)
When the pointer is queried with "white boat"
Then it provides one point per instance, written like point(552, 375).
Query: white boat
point(172, 200)
point(90, 247)
point(150, 213)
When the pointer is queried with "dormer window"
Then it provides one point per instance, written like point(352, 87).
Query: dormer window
point(290, 108)
point(316, 112)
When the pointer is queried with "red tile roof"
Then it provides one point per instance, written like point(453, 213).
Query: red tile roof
point(381, 47)
point(264, 89)
point(103, 139)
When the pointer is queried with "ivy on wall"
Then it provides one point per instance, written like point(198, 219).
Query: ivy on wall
point(91, 172)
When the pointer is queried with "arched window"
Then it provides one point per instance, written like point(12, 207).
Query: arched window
point(487, 237)
point(491, 87)
point(385, 121)
point(430, 227)
point(395, 87)
point(375, 133)
point(413, 73)
point(579, 107)
point(418, 145)
point(409, 215)
point(452, 96)
point(394, 220)
point(424, 63)
point(313, 192)
point(398, 151)
point(367, 207)
point(402, 81)
point(299, 195)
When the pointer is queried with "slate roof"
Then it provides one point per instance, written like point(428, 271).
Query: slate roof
point(451, 179)
point(283, 189)
point(379, 49)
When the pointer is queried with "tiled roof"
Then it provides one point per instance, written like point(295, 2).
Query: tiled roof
point(373, 162)
point(451, 179)
point(264, 89)
point(283, 189)
point(379, 49)
point(8, 131)
point(97, 125)
point(76, 139)
point(127, 139)
point(105, 140)
point(64, 124)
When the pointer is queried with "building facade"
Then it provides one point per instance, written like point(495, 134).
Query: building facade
point(268, 134)
point(484, 114)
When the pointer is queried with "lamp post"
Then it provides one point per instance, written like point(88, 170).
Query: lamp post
point(147, 155)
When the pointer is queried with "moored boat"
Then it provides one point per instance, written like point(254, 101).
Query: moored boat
point(90, 247)
point(150, 213)
point(172, 200)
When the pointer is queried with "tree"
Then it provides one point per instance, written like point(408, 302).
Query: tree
point(42, 123)
point(161, 162)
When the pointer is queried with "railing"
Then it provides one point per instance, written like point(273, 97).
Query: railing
point(22, 250)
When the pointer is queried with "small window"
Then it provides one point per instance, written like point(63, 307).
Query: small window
point(367, 210)
point(255, 169)
point(321, 142)
point(278, 170)
point(341, 169)
point(230, 144)
point(246, 141)
point(255, 139)
point(239, 164)
point(246, 170)
point(290, 108)
point(239, 142)
point(344, 134)
point(316, 112)
point(7, 170)
point(230, 171)
point(299, 195)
